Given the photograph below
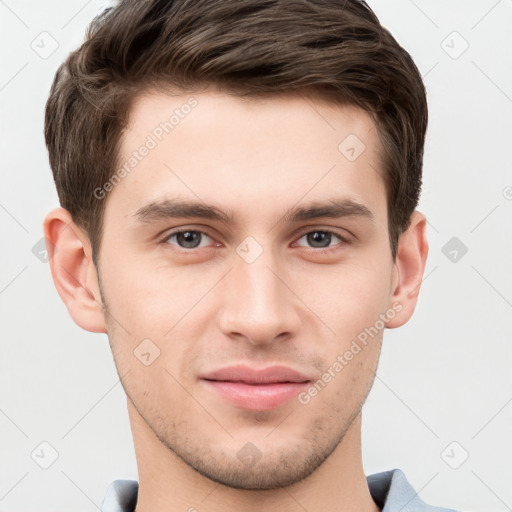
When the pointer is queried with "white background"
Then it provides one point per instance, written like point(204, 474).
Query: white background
point(443, 377)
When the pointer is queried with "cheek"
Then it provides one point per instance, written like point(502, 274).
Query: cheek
point(156, 314)
point(149, 300)
point(349, 298)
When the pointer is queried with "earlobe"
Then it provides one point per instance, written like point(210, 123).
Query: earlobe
point(409, 268)
point(73, 270)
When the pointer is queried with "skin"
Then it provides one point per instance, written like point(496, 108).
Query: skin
point(208, 308)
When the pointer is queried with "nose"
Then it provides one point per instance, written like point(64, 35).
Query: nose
point(258, 303)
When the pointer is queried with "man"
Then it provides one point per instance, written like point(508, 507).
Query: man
point(238, 182)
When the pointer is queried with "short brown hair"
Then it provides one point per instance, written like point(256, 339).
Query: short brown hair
point(336, 48)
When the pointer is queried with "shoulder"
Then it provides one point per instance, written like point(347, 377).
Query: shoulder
point(121, 496)
point(392, 492)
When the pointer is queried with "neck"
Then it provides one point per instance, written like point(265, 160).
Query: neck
point(167, 483)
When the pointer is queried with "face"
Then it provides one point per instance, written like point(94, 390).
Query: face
point(285, 261)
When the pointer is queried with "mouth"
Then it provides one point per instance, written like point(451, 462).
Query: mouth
point(256, 389)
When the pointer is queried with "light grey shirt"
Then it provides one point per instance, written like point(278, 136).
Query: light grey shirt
point(390, 490)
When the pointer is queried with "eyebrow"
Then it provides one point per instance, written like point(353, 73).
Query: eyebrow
point(190, 209)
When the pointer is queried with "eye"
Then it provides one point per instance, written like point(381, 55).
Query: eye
point(321, 239)
point(197, 239)
point(187, 239)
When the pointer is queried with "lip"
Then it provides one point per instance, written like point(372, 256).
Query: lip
point(256, 389)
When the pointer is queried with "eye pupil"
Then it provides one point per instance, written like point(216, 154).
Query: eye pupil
point(318, 237)
point(189, 238)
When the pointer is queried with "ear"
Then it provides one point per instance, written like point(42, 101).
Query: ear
point(73, 271)
point(408, 269)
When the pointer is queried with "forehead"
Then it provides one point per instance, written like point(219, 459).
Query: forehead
point(237, 151)
point(295, 109)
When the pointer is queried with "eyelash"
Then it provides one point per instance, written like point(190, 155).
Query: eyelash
point(344, 239)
